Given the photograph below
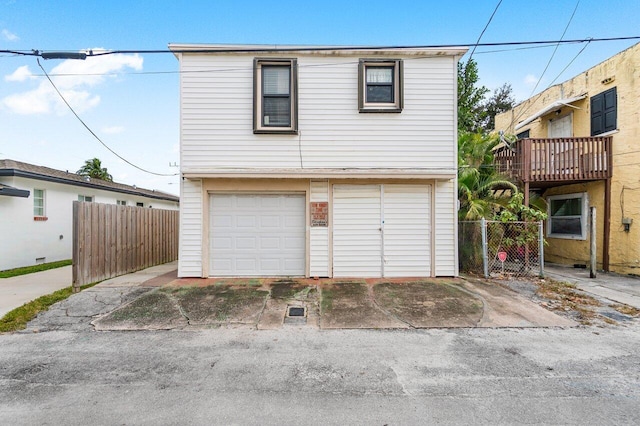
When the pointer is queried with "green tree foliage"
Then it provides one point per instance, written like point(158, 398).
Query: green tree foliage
point(502, 100)
point(93, 168)
point(476, 113)
point(478, 181)
point(470, 97)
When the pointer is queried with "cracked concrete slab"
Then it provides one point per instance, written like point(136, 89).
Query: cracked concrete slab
point(154, 310)
point(505, 308)
point(349, 305)
point(426, 304)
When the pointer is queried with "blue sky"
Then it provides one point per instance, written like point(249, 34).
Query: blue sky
point(137, 113)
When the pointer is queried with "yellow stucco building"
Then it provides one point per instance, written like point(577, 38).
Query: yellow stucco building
point(579, 147)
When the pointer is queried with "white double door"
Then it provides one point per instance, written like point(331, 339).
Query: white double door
point(381, 230)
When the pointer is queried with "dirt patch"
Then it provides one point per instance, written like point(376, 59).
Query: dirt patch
point(216, 305)
point(567, 300)
point(288, 289)
point(429, 304)
point(627, 310)
point(350, 305)
point(151, 311)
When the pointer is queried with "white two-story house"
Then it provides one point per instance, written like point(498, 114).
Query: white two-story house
point(317, 161)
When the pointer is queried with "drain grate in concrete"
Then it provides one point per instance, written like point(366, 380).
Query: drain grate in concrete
point(296, 311)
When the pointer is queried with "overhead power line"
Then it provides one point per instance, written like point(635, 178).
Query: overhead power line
point(93, 133)
point(485, 29)
point(556, 49)
point(275, 48)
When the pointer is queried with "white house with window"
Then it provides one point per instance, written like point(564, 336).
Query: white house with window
point(36, 205)
point(317, 161)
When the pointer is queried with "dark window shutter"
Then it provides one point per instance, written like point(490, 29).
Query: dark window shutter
point(604, 112)
point(610, 110)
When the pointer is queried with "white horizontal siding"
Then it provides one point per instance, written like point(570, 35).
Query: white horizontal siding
point(319, 252)
point(445, 229)
point(217, 117)
point(319, 191)
point(319, 243)
point(190, 255)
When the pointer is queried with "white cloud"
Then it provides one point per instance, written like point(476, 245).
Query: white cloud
point(530, 80)
point(112, 130)
point(73, 78)
point(9, 36)
point(20, 74)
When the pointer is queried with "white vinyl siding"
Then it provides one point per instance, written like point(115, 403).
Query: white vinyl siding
point(357, 236)
point(407, 233)
point(190, 257)
point(319, 235)
point(381, 230)
point(217, 117)
point(257, 235)
point(446, 243)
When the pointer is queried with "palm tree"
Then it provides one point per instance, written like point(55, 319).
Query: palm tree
point(93, 169)
point(478, 179)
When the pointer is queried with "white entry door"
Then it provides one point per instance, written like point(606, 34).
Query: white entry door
point(257, 235)
point(381, 230)
point(357, 231)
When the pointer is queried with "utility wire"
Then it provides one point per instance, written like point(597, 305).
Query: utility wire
point(568, 65)
point(92, 132)
point(516, 118)
point(275, 48)
point(485, 29)
point(556, 49)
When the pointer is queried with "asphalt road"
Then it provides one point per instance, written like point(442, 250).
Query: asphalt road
point(306, 376)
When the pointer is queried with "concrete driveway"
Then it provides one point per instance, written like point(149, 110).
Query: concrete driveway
point(16, 291)
point(154, 299)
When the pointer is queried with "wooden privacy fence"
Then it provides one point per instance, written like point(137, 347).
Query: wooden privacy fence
point(111, 240)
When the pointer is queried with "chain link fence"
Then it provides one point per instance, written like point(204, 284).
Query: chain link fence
point(501, 249)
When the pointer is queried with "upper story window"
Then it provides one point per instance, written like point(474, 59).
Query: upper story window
point(380, 85)
point(275, 96)
point(85, 198)
point(38, 202)
point(567, 216)
point(121, 202)
point(604, 112)
point(138, 204)
point(524, 135)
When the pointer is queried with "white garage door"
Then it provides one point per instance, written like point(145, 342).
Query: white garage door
point(381, 230)
point(257, 234)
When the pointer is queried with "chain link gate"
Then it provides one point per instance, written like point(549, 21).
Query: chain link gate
point(501, 249)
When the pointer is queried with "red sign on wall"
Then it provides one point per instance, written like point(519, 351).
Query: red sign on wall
point(319, 214)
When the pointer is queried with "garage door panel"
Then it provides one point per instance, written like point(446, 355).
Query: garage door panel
point(223, 243)
point(223, 220)
point(246, 202)
point(245, 243)
point(257, 234)
point(269, 243)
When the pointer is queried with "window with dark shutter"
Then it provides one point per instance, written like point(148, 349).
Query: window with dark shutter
point(604, 112)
